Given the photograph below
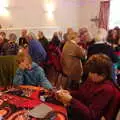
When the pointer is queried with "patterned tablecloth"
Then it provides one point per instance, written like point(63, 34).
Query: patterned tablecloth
point(15, 105)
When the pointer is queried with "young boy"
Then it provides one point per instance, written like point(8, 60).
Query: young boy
point(29, 73)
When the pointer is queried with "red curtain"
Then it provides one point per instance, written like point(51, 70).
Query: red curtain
point(104, 14)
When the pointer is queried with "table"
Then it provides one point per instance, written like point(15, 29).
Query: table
point(14, 107)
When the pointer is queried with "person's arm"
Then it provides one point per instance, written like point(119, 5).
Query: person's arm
point(18, 79)
point(76, 94)
point(95, 108)
point(80, 52)
point(41, 51)
point(43, 81)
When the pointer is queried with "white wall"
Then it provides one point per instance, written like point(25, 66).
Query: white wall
point(114, 19)
point(90, 9)
point(68, 13)
point(31, 13)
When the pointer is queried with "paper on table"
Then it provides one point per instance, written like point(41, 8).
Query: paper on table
point(40, 111)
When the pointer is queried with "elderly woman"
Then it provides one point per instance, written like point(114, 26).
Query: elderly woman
point(10, 47)
point(36, 50)
point(85, 38)
point(97, 97)
point(71, 60)
point(100, 46)
point(42, 39)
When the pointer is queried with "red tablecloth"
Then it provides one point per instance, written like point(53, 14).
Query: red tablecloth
point(12, 106)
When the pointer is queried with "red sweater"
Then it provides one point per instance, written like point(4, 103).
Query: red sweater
point(94, 100)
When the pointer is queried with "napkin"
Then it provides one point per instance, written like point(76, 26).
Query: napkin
point(40, 111)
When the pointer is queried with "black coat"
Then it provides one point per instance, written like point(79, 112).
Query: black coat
point(102, 48)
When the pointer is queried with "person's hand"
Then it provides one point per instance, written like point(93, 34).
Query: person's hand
point(114, 45)
point(21, 66)
point(64, 97)
point(24, 66)
point(29, 66)
point(63, 91)
point(58, 93)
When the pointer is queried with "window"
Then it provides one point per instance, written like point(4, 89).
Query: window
point(114, 19)
point(3, 10)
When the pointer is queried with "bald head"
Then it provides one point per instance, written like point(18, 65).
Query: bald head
point(24, 32)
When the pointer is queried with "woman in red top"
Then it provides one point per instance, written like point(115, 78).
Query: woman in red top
point(97, 97)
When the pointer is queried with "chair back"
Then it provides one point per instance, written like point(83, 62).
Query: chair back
point(7, 70)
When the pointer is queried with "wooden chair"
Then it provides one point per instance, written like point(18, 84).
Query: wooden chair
point(7, 70)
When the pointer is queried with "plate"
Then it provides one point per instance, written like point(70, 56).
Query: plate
point(21, 115)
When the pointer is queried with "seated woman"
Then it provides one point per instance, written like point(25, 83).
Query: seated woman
point(100, 46)
point(10, 47)
point(29, 73)
point(97, 97)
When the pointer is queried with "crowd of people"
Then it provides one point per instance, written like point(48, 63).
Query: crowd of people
point(90, 66)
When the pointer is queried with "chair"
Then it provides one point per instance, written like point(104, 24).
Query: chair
point(7, 70)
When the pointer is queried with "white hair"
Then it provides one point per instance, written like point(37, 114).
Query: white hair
point(101, 35)
point(32, 35)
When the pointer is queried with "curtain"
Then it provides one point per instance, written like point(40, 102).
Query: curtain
point(104, 14)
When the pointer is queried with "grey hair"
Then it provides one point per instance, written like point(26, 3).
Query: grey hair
point(101, 35)
point(32, 35)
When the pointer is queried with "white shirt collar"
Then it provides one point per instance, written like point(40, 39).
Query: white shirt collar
point(73, 41)
point(99, 42)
